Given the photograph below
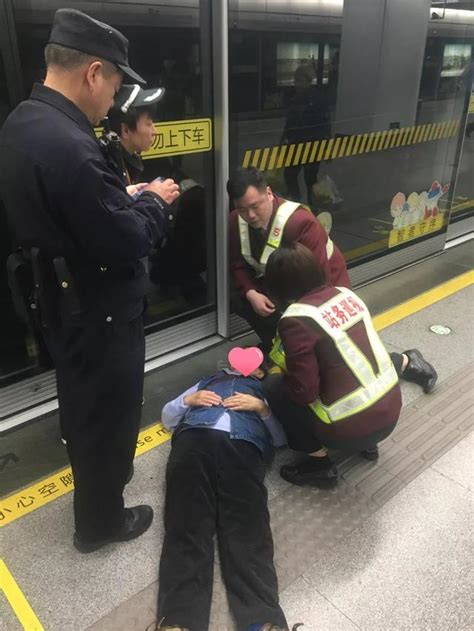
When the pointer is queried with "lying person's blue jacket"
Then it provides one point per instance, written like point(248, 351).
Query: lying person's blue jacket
point(264, 433)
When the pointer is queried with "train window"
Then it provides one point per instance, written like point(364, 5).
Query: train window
point(456, 58)
point(293, 55)
point(331, 63)
point(244, 88)
point(361, 132)
point(463, 198)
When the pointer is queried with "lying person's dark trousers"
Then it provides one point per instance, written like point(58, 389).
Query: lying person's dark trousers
point(216, 483)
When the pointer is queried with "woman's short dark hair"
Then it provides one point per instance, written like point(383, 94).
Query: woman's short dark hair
point(291, 272)
point(242, 178)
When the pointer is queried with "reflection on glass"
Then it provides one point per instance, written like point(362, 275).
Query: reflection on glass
point(347, 128)
point(331, 63)
point(291, 56)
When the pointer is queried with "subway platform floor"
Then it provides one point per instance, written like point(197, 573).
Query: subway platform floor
point(389, 549)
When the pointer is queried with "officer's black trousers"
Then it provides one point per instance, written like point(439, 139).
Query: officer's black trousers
point(99, 370)
point(215, 485)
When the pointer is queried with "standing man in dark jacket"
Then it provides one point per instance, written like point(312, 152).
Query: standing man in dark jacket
point(68, 209)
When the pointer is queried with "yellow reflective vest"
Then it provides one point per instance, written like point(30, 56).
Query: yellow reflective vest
point(373, 384)
point(275, 236)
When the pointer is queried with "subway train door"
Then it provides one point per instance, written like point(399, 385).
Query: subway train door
point(170, 46)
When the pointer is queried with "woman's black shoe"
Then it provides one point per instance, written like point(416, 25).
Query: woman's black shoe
point(311, 471)
point(370, 454)
point(419, 371)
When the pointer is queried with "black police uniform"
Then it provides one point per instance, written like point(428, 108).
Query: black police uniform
point(62, 197)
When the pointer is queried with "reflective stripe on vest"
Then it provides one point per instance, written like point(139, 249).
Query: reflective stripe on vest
point(334, 321)
point(283, 213)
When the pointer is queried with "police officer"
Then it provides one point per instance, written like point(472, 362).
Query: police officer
point(68, 208)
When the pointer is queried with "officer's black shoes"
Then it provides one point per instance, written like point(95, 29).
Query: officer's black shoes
point(370, 454)
point(420, 371)
point(137, 521)
point(311, 471)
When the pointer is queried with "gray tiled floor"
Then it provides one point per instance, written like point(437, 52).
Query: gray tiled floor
point(458, 464)
point(408, 567)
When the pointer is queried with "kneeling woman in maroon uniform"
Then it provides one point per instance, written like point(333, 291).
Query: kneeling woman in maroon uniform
point(339, 386)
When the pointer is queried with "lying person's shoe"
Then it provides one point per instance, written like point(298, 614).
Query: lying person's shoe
point(370, 454)
point(137, 521)
point(419, 371)
point(156, 627)
point(311, 471)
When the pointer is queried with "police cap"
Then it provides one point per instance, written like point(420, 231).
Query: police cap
point(133, 96)
point(74, 29)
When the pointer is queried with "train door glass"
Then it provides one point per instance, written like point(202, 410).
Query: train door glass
point(463, 198)
point(344, 123)
point(170, 48)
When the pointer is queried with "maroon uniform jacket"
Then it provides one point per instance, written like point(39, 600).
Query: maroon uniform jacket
point(315, 369)
point(303, 227)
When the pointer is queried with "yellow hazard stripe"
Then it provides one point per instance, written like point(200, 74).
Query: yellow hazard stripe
point(427, 298)
point(344, 146)
point(61, 482)
point(307, 148)
point(17, 600)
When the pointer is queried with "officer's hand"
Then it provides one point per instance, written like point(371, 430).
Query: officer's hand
point(246, 403)
point(261, 304)
point(133, 189)
point(168, 190)
point(202, 398)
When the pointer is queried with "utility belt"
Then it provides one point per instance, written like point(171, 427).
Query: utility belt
point(38, 285)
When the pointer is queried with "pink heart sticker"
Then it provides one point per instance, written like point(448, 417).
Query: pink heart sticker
point(245, 360)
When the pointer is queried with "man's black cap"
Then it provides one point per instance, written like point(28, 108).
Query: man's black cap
point(74, 29)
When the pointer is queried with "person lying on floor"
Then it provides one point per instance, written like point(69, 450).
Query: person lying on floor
point(223, 431)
